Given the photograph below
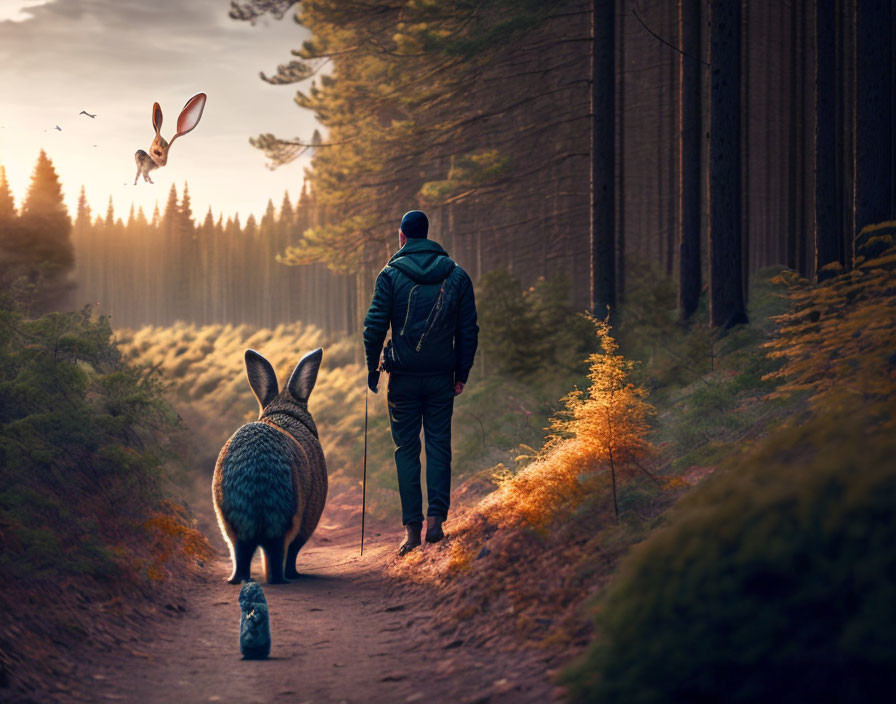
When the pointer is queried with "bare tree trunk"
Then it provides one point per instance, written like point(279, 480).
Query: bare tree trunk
point(671, 165)
point(620, 136)
point(689, 275)
point(603, 173)
point(745, 96)
point(874, 138)
point(827, 216)
point(806, 212)
point(726, 305)
point(848, 126)
point(792, 254)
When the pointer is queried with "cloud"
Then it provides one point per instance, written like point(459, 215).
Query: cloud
point(115, 58)
point(18, 10)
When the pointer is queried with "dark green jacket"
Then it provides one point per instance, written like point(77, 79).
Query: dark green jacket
point(406, 290)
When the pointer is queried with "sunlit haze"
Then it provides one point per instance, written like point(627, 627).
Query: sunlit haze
point(114, 58)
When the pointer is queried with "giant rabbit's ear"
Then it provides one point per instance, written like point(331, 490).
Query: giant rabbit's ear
point(156, 117)
point(304, 375)
point(189, 116)
point(262, 378)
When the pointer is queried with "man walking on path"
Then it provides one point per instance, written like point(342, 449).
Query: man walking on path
point(427, 300)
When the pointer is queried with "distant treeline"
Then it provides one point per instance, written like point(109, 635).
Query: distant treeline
point(168, 268)
point(165, 268)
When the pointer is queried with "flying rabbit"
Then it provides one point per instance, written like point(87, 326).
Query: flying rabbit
point(158, 150)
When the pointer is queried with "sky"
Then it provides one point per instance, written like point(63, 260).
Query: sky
point(114, 59)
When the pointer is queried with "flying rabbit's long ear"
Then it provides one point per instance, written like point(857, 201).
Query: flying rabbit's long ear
point(189, 116)
point(262, 378)
point(304, 375)
point(157, 117)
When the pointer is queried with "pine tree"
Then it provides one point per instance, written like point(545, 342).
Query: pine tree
point(10, 234)
point(185, 211)
point(44, 248)
point(82, 220)
point(7, 203)
point(610, 422)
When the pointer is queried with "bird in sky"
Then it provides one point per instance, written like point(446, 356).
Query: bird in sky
point(84, 112)
point(58, 128)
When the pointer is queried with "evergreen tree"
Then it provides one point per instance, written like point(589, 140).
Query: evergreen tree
point(7, 203)
point(43, 249)
point(110, 214)
point(185, 211)
point(82, 220)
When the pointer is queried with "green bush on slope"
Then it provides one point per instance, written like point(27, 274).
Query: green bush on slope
point(774, 582)
point(84, 439)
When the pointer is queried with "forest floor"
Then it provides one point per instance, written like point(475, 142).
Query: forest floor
point(346, 631)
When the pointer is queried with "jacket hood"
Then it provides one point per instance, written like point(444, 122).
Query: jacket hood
point(423, 261)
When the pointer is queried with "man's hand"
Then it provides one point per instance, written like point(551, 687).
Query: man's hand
point(373, 381)
point(458, 388)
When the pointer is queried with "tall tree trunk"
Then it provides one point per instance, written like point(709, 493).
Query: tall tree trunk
point(765, 255)
point(806, 212)
point(847, 87)
point(827, 215)
point(793, 151)
point(874, 138)
point(689, 279)
point(603, 173)
point(726, 302)
point(745, 97)
point(620, 184)
point(671, 165)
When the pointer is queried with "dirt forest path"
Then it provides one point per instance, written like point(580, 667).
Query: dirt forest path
point(344, 632)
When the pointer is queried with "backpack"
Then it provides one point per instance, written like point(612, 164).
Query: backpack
point(440, 317)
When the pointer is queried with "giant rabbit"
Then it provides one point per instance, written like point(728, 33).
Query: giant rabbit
point(270, 480)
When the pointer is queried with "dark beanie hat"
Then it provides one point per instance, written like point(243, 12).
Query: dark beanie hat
point(414, 224)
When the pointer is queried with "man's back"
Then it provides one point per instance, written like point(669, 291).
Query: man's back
point(427, 301)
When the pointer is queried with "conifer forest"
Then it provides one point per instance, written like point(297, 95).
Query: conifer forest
point(671, 462)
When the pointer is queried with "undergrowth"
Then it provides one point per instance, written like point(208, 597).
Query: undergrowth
point(718, 397)
point(774, 580)
point(88, 457)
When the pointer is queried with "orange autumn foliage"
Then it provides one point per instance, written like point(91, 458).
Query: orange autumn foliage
point(174, 541)
point(601, 431)
point(838, 342)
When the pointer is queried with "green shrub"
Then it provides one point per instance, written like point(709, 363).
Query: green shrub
point(85, 444)
point(527, 332)
point(775, 581)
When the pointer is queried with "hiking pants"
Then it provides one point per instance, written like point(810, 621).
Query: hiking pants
point(427, 400)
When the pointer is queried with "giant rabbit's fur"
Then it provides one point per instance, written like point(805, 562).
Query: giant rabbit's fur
point(270, 480)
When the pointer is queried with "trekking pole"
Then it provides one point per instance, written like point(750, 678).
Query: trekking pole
point(364, 473)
